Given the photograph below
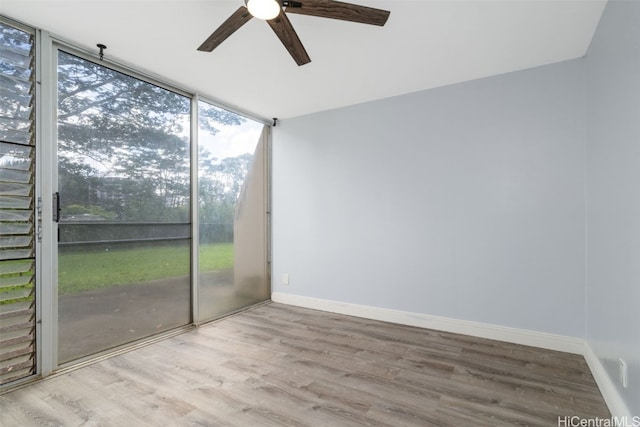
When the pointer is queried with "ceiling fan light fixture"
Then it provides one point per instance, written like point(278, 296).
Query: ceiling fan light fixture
point(275, 13)
point(264, 9)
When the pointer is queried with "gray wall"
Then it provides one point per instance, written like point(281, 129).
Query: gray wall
point(465, 201)
point(613, 196)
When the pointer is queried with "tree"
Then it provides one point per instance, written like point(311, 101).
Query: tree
point(123, 144)
point(16, 96)
point(220, 186)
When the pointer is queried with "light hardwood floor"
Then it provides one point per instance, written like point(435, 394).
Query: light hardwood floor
point(277, 365)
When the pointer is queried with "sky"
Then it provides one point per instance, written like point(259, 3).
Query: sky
point(232, 141)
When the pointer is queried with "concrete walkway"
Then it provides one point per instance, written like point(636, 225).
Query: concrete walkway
point(92, 321)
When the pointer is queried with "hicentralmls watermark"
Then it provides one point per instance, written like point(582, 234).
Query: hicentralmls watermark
point(575, 421)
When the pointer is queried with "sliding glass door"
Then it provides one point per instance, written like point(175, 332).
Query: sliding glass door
point(232, 206)
point(126, 214)
point(124, 208)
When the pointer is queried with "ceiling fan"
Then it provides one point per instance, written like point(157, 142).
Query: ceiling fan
point(273, 11)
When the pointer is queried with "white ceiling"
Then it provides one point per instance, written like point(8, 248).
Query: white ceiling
point(425, 44)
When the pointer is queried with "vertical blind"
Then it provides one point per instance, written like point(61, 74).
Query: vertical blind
point(17, 205)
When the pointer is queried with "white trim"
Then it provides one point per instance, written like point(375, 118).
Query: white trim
point(483, 330)
point(616, 405)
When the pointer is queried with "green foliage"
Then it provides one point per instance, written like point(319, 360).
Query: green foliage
point(217, 256)
point(87, 270)
point(16, 289)
point(123, 144)
point(17, 280)
point(96, 211)
point(16, 74)
point(220, 186)
point(124, 156)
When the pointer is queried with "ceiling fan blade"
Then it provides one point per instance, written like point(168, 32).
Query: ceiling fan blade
point(228, 27)
point(289, 38)
point(339, 10)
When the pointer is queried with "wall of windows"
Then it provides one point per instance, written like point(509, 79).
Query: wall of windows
point(153, 207)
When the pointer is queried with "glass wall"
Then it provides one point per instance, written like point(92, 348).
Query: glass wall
point(232, 204)
point(115, 264)
point(124, 221)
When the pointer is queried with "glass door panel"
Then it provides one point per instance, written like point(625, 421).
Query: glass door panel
point(232, 203)
point(124, 224)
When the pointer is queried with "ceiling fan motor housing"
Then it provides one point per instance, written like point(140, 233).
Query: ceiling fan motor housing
point(274, 13)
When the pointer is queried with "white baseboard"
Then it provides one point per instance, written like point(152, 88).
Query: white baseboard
point(615, 403)
point(466, 327)
point(483, 330)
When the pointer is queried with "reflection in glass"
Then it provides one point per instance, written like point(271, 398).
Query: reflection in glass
point(124, 183)
point(232, 212)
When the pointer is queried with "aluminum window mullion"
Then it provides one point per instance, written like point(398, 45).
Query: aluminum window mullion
point(195, 222)
point(46, 148)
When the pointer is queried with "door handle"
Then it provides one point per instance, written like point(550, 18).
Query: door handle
point(56, 207)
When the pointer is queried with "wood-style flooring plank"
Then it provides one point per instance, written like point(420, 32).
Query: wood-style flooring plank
point(278, 365)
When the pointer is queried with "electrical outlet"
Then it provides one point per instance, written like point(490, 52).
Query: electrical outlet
point(285, 279)
point(622, 372)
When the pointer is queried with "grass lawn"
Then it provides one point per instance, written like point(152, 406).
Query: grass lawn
point(82, 271)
